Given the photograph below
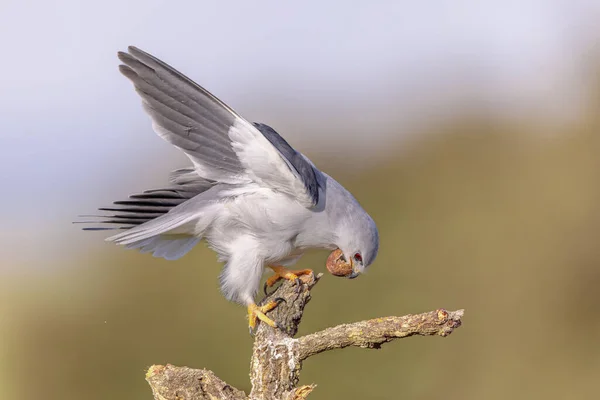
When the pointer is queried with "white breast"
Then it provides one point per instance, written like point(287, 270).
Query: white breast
point(271, 220)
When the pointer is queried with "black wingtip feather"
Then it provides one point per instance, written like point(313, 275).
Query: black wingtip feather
point(156, 202)
point(105, 229)
point(139, 210)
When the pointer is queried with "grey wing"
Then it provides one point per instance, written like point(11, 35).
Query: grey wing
point(222, 145)
point(185, 115)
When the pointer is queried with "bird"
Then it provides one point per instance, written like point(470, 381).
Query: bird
point(254, 199)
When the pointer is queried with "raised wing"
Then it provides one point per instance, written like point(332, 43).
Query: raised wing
point(222, 145)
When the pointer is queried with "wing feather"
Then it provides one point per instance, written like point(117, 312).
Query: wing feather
point(222, 145)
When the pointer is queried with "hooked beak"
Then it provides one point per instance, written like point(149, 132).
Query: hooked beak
point(354, 273)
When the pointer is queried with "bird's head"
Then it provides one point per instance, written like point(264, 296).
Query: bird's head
point(358, 244)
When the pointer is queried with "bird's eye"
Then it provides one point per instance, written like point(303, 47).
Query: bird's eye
point(358, 257)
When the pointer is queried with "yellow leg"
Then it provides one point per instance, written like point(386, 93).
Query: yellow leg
point(284, 273)
point(256, 313)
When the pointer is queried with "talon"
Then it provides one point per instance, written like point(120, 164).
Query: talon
point(284, 273)
point(256, 313)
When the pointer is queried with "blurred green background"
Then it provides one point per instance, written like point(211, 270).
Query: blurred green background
point(470, 132)
point(505, 225)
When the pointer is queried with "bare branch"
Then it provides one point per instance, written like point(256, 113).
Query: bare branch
point(373, 333)
point(277, 357)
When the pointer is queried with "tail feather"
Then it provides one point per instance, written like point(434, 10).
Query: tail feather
point(189, 218)
point(157, 226)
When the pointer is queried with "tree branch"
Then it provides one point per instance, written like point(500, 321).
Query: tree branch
point(183, 383)
point(277, 357)
point(373, 333)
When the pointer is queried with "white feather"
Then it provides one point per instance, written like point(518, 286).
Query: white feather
point(264, 164)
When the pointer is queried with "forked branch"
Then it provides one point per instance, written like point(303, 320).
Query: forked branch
point(277, 357)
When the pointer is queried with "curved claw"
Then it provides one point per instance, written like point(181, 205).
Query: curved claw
point(298, 283)
point(267, 294)
point(279, 300)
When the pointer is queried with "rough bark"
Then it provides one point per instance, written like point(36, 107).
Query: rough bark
point(375, 332)
point(183, 383)
point(277, 357)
